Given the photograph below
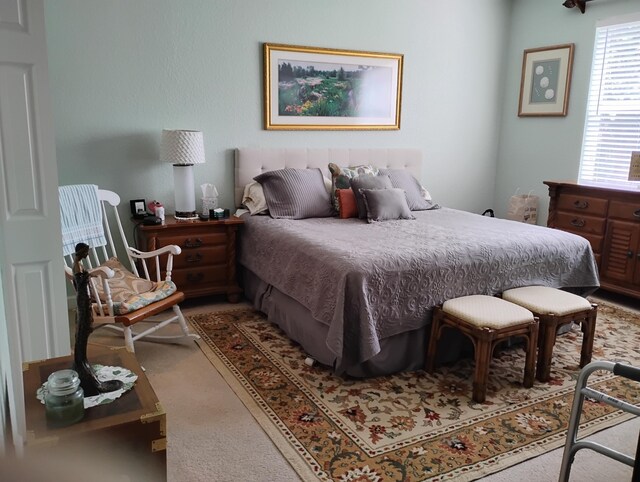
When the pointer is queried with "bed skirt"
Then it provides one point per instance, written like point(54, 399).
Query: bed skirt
point(402, 352)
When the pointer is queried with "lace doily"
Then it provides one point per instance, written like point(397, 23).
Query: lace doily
point(104, 373)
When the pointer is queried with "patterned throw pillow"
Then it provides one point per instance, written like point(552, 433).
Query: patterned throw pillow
point(341, 178)
point(347, 203)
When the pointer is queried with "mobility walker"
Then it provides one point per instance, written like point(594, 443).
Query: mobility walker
point(582, 391)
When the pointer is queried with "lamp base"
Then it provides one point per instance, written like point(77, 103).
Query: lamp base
point(185, 215)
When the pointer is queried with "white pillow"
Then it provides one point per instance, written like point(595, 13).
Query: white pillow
point(253, 198)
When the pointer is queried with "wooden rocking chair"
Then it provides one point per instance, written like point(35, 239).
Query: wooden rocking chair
point(120, 296)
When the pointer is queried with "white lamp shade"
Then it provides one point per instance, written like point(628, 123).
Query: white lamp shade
point(182, 147)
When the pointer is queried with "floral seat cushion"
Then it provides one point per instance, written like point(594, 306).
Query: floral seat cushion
point(130, 292)
point(161, 291)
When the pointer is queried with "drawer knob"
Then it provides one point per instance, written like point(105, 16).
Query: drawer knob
point(194, 258)
point(195, 277)
point(579, 204)
point(636, 213)
point(629, 254)
point(578, 222)
point(189, 243)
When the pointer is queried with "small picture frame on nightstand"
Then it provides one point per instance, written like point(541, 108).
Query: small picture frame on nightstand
point(138, 208)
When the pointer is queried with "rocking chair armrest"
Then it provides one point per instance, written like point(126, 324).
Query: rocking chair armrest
point(102, 272)
point(174, 249)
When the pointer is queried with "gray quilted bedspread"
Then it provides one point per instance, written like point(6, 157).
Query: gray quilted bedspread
point(371, 281)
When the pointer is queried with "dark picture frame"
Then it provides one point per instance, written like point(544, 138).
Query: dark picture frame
point(546, 81)
point(313, 88)
point(138, 208)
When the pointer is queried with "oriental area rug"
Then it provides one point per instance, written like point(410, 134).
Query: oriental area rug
point(413, 426)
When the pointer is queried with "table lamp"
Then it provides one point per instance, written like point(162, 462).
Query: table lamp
point(634, 166)
point(183, 148)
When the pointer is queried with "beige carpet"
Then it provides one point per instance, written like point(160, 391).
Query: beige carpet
point(212, 436)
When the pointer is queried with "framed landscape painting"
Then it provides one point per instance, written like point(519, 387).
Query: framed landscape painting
point(309, 88)
point(545, 81)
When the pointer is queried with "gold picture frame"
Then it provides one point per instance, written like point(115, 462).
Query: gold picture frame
point(546, 81)
point(313, 88)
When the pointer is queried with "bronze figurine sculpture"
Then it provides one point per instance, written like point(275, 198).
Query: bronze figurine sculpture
point(84, 321)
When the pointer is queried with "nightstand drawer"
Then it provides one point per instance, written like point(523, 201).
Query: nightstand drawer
point(206, 276)
point(199, 257)
point(625, 210)
point(195, 240)
point(583, 204)
point(580, 223)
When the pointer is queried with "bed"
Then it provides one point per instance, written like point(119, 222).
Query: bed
point(357, 296)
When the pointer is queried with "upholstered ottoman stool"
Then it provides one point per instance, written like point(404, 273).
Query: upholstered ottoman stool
point(486, 320)
point(556, 308)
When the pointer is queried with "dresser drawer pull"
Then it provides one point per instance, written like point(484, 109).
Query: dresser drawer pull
point(577, 222)
point(192, 244)
point(194, 258)
point(581, 204)
point(636, 213)
point(195, 277)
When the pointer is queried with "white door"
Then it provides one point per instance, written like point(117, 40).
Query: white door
point(34, 320)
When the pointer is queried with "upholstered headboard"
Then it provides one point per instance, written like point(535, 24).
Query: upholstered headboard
point(251, 162)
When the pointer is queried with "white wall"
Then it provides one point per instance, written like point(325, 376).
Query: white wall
point(121, 71)
point(532, 149)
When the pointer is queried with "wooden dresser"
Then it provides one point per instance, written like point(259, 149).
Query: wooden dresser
point(610, 220)
point(207, 264)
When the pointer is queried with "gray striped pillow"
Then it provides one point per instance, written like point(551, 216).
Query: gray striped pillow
point(404, 180)
point(295, 193)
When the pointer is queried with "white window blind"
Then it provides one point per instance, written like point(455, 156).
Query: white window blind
point(612, 127)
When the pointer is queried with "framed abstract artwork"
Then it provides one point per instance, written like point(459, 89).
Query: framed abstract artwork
point(546, 81)
point(313, 88)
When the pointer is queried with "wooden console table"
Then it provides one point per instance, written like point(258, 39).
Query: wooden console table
point(128, 435)
point(610, 220)
point(207, 264)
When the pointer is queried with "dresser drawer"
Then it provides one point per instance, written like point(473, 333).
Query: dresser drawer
point(192, 241)
point(625, 210)
point(594, 239)
point(579, 223)
point(194, 258)
point(582, 204)
point(193, 278)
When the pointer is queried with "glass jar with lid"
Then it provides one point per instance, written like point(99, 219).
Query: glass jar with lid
point(64, 400)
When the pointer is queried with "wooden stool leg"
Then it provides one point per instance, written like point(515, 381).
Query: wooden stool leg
point(588, 335)
point(433, 340)
point(530, 362)
point(546, 348)
point(481, 376)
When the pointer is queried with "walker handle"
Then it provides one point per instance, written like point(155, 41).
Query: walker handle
point(627, 371)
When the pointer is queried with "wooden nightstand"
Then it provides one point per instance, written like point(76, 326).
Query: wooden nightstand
point(127, 437)
point(207, 264)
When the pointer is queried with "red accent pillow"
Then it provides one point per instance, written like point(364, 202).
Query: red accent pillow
point(347, 203)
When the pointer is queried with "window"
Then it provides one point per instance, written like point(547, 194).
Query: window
point(612, 126)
